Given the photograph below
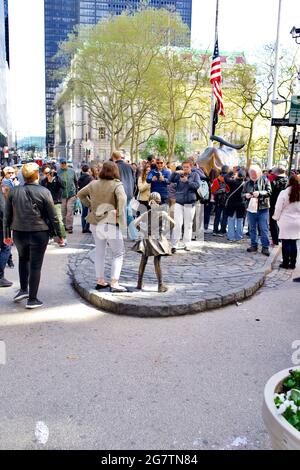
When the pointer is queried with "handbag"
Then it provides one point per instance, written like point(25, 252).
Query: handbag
point(235, 191)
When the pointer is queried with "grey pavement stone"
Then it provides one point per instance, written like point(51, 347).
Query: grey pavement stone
point(218, 275)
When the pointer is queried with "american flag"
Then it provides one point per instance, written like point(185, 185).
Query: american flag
point(216, 79)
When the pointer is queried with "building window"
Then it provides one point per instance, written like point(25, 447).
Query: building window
point(102, 133)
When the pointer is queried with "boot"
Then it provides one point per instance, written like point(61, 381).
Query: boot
point(162, 288)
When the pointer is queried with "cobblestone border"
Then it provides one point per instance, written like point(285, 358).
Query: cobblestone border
point(131, 305)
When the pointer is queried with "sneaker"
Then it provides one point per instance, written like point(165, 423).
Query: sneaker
point(34, 303)
point(118, 289)
point(70, 230)
point(252, 249)
point(22, 294)
point(5, 283)
point(62, 243)
point(220, 234)
point(215, 234)
point(173, 251)
point(296, 279)
point(186, 248)
point(10, 263)
point(265, 251)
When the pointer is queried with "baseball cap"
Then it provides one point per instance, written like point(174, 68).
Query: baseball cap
point(63, 160)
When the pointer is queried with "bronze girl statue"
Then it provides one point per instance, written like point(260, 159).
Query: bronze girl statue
point(153, 225)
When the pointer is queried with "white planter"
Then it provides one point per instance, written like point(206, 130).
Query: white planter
point(283, 435)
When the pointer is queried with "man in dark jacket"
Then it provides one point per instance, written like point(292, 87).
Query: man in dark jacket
point(84, 179)
point(55, 185)
point(186, 183)
point(159, 178)
point(257, 191)
point(68, 176)
point(278, 184)
point(128, 179)
point(4, 249)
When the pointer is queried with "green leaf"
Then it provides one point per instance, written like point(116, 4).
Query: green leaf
point(295, 396)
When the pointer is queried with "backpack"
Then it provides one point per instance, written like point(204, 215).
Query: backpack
point(203, 192)
point(221, 195)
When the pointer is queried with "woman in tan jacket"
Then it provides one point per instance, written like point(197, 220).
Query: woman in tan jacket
point(144, 189)
point(106, 199)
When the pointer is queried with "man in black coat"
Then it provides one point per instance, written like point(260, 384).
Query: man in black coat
point(128, 179)
point(278, 184)
point(84, 179)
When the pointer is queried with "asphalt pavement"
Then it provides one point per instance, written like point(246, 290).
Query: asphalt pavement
point(79, 378)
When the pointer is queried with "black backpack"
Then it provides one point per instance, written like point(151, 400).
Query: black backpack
point(221, 195)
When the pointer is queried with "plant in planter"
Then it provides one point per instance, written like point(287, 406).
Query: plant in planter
point(288, 401)
point(281, 409)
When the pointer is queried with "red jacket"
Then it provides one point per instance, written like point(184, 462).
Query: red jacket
point(216, 185)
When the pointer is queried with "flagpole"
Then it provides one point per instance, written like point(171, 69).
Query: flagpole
point(275, 86)
point(212, 105)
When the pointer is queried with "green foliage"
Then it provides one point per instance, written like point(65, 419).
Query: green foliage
point(288, 402)
point(292, 381)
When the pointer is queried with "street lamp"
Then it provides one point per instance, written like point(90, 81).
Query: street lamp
point(295, 32)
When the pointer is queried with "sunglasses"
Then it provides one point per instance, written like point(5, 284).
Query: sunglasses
point(160, 163)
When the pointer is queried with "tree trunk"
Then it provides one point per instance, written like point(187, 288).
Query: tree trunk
point(248, 154)
point(171, 142)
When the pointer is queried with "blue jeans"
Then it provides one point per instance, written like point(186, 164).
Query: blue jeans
point(133, 233)
point(220, 217)
point(84, 224)
point(259, 219)
point(5, 251)
point(235, 228)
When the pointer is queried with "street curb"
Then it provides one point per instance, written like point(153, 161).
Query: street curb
point(111, 304)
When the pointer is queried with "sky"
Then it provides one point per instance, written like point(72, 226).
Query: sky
point(244, 25)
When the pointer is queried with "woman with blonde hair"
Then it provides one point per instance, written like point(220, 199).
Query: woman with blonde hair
point(30, 214)
point(287, 214)
point(144, 188)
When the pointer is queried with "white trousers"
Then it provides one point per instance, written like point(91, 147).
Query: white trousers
point(108, 235)
point(183, 215)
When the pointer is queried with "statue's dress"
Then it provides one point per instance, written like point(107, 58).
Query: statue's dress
point(154, 225)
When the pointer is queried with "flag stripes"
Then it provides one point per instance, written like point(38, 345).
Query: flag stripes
point(216, 79)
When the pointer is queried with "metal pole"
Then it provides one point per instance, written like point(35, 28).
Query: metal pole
point(275, 86)
point(212, 106)
point(292, 150)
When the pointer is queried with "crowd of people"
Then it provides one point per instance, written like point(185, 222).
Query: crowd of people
point(155, 202)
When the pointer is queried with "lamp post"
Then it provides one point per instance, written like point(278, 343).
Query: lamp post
point(275, 86)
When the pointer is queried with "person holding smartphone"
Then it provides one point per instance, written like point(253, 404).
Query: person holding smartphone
point(186, 185)
point(55, 185)
point(159, 178)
